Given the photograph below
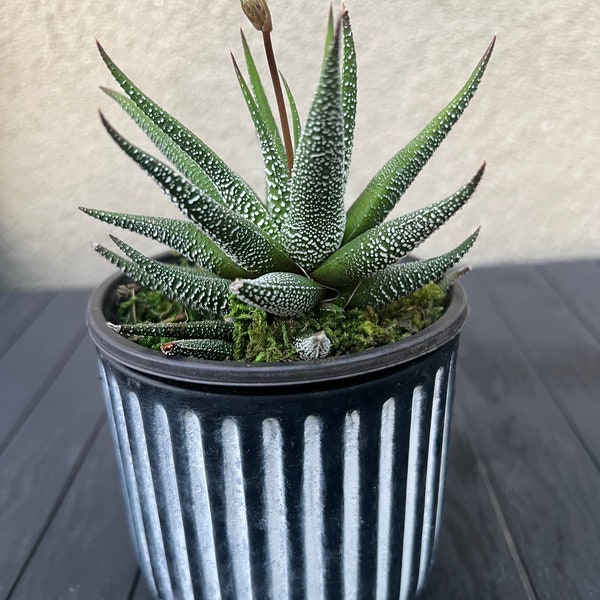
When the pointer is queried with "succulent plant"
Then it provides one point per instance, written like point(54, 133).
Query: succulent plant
point(299, 247)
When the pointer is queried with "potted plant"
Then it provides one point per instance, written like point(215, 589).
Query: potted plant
point(319, 476)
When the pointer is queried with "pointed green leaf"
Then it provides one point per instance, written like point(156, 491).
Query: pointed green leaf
point(387, 243)
point(180, 284)
point(262, 101)
point(182, 236)
point(204, 349)
point(243, 241)
point(388, 185)
point(180, 159)
point(296, 125)
point(136, 272)
point(276, 169)
point(329, 35)
point(452, 277)
point(212, 329)
point(313, 225)
point(405, 278)
point(235, 192)
point(348, 89)
point(127, 266)
point(282, 294)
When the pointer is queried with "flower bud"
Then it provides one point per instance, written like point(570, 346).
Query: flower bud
point(258, 14)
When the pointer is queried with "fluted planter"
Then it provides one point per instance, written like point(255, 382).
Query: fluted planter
point(283, 481)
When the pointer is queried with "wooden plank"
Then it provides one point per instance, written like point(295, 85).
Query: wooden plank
point(17, 311)
point(37, 357)
point(86, 552)
point(578, 285)
point(547, 485)
point(473, 559)
point(37, 468)
point(5, 296)
point(555, 342)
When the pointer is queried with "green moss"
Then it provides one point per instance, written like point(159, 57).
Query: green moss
point(260, 337)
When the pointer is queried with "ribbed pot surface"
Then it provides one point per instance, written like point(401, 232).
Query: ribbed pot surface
point(303, 492)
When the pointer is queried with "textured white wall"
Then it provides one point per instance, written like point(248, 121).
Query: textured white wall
point(535, 118)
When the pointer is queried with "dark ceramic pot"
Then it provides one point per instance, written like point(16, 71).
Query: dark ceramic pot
point(313, 480)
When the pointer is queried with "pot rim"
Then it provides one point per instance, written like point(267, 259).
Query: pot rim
point(198, 371)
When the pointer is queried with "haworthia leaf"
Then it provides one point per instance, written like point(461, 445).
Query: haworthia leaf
point(205, 349)
point(180, 159)
point(282, 294)
point(242, 240)
point(262, 101)
point(296, 125)
point(405, 278)
point(196, 291)
point(313, 225)
point(389, 242)
point(234, 190)
point(348, 89)
point(182, 236)
point(276, 169)
point(329, 35)
point(128, 267)
point(385, 189)
point(221, 330)
point(452, 277)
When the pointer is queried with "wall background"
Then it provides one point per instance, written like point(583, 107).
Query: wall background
point(535, 118)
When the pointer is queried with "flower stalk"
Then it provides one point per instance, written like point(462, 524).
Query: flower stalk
point(259, 15)
point(283, 118)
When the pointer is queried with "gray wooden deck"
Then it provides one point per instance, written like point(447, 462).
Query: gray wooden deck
point(522, 513)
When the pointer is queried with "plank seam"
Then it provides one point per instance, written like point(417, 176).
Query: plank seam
point(510, 542)
point(134, 585)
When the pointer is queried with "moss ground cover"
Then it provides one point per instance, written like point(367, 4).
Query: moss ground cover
point(261, 337)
